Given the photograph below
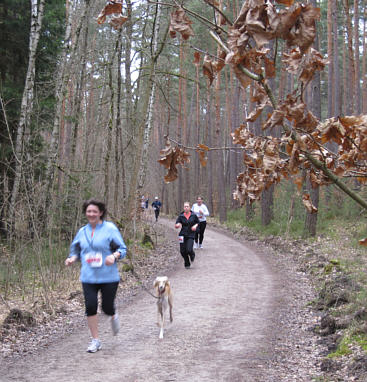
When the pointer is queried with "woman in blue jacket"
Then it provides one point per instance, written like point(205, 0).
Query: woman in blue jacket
point(98, 245)
point(187, 221)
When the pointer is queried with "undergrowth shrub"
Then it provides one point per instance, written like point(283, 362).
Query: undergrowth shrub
point(290, 214)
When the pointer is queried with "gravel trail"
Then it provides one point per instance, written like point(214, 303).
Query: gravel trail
point(225, 316)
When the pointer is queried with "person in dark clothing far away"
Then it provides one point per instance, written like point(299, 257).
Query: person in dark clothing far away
point(188, 222)
point(156, 207)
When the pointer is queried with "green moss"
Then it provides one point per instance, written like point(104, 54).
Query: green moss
point(343, 348)
point(361, 340)
point(127, 268)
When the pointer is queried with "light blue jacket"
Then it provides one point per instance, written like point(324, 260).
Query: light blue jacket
point(106, 240)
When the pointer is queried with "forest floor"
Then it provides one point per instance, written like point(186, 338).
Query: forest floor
point(243, 312)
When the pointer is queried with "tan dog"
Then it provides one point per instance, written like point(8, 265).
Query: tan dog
point(165, 300)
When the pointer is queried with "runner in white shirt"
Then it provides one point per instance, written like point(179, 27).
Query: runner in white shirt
point(201, 210)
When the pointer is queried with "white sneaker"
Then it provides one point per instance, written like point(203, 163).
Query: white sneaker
point(115, 324)
point(201, 246)
point(196, 245)
point(94, 346)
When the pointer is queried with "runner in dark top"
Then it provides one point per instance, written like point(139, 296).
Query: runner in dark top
point(187, 221)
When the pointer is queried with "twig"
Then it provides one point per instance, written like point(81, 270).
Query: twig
point(199, 17)
point(207, 53)
point(8, 128)
point(209, 148)
point(4, 302)
point(219, 11)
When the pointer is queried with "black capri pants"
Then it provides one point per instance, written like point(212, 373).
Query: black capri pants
point(186, 250)
point(108, 291)
point(199, 234)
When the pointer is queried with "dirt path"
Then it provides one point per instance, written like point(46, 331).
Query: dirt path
point(223, 328)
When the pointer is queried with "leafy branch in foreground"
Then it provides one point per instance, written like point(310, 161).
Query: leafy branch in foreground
point(301, 151)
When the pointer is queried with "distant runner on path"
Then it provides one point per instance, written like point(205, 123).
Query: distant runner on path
point(202, 212)
point(156, 207)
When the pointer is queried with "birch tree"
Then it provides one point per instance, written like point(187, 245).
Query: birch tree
point(23, 130)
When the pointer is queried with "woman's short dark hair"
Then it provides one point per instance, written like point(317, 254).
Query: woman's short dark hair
point(101, 206)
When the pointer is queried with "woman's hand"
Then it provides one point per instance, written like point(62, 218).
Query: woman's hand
point(178, 225)
point(193, 228)
point(70, 260)
point(111, 259)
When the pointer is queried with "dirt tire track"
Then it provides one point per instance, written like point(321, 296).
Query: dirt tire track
point(223, 329)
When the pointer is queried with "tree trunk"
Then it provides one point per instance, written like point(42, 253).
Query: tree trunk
point(364, 62)
point(336, 71)
point(330, 11)
point(311, 219)
point(138, 172)
point(23, 130)
point(357, 76)
point(109, 129)
point(345, 102)
point(351, 63)
point(267, 198)
point(119, 154)
point(267, 203)
point(180, 200)
point(66, 62)
point(220, 201)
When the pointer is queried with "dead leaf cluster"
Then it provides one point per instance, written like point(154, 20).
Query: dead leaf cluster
point(267, 159)
point(258, 23)
point(181, 24)
point(114, 8)
point(170, 158)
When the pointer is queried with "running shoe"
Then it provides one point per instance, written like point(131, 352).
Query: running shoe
point(115, 324)
point(94, 346)
point(201, 246)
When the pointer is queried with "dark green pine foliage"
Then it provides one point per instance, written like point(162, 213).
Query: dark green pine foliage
point(14, 45)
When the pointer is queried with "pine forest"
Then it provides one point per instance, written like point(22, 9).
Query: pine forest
point(257, 106)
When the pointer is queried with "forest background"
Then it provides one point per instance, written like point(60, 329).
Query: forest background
point(87, 106)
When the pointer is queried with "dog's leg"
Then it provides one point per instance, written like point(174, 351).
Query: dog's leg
point(170, 303)
point(164, 308)
point(162, 326)
point(159, 314)
point(160, 322)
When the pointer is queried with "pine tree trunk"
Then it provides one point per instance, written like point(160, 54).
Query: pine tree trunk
point(345, 107)
point(357, 88)
point(336, 71)
point(364, 62)
point(330, 92)
point(351, 63)
point(267, 203)
point(219, 169)
point(180, 200)
point(267, 198)
point(197, 178)
point(315, 98)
